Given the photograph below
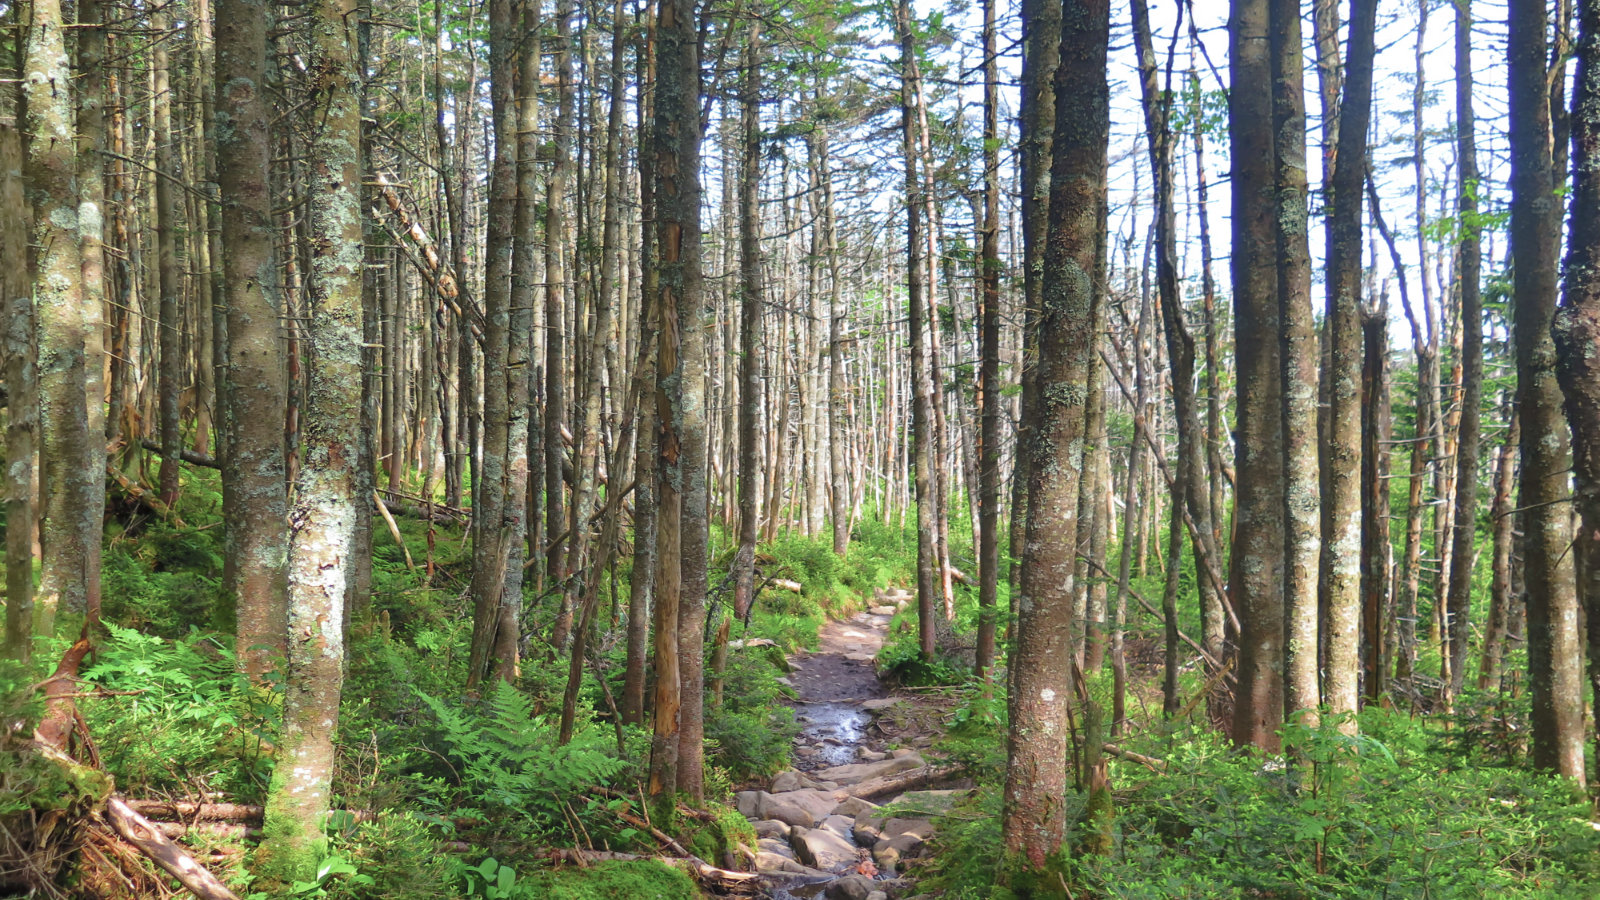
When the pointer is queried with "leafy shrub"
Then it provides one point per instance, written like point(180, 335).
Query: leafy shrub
point(176, 716)
point(636, 880)
point(397, 857)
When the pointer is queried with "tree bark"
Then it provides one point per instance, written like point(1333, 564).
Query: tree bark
point(1033, 822)
point(1554, 652)
point(254, 391)
point(22, 409)
point(752, 291)
point(322, 517)
point(1257, 571)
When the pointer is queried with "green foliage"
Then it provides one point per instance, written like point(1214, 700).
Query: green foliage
point(749, 735)
point(167, 581)
point(635, 880)
point(175, 715)
point(509, 766)
point(397, 856)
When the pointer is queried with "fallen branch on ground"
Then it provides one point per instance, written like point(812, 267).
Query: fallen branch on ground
point(140, 832)
point(915, 779)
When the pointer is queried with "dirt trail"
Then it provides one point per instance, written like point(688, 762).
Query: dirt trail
point(833, 682)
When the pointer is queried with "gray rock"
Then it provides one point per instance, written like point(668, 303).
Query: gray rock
point(884, 610)
point(839, 825)
point(855, 773)
point(774, 846)
point(879, 705)
point(902, 752)
point(772, 828)
point(877, 895)
point(929, 802)
point(895, 827)
point(850, 887)
point(889, 852)
point(822, 849)
point(773, 864)
point(792, 781)
point(746, 802)
point(802, 808)
point(867, 830)
point(867, 754)
point(855, 807)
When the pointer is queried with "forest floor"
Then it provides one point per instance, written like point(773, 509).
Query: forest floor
point(854, 808)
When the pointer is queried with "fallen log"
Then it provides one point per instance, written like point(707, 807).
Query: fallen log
point(216, 831)
point(186, 811)
point(138, 831)
point(1149, 762)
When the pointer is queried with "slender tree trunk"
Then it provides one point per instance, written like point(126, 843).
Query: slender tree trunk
point(323, 512)
point(169, 276)
point(1497, 626)
point(1341, 552)
point(1257, 573)
point(676, 762)
point(922, 437)
point(1033, 822)
point(1554, 651)
point(1468, 274)
point(989, 355)
point(751, 293)
point(254, 392)
point(1377, 552)
point(22, 409)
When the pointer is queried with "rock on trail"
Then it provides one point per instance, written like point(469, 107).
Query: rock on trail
point(817, 838)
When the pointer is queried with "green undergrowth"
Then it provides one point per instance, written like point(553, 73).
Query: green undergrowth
point(1398, 811)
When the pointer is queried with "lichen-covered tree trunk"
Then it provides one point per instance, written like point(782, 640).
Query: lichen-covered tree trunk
point(916, 282)
point(1377, 552)
point(1342, 558)
point(22, 411)
point(1041, 39)
point(555, 278)
point(1256, 570)
point(168, 276)
point(1302, 524)
point(1577, 324)
point(1555, 654)
point(1033, 823)
point(491, 539)
point(1501, 596)
point(323, 515)
point(988, 486)
point(838, 393)
point(751, 293)
point(255, 393)
point(72, 483)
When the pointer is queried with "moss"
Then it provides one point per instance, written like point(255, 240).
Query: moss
point(1019, 880)
point(717, 841)
point(636, 880)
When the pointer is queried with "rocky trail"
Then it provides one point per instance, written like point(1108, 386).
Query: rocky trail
point(842, 823)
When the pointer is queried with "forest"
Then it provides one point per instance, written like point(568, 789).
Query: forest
point(868, 450)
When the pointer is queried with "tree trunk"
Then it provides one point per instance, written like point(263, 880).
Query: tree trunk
point(22, 409)
point(1468, 274)
point(1033, 822)
point(1554, 652)
point(1342, 554)
point(254, 392)
point(751, 293)
point(1257, 572)
point(323, 512)
point(989, 355)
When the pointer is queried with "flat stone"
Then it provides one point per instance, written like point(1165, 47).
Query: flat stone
point(850, 887)
point(802, 808)
point(746, 802)
point(775, 846)
point(883, 610)
point(772, 829)
point(773, 864)
point(879, 705)
point(822, 849)
point(929, 802)
point(902, 751)
point(855, 773)
point(867, 754)
point(877, 895)
point(855, 808)
point(895, 827)
point(839, 825)
point(792, 781)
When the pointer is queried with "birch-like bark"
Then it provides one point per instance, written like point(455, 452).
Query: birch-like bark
point(323, 515)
